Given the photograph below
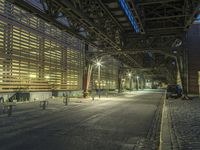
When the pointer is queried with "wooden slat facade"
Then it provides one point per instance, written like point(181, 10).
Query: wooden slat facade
point(35, 55)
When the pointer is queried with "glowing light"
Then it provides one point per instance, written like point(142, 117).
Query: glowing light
point(46, 77)
point(98, 63)
point(32, 75)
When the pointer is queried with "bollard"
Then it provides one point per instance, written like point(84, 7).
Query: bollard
point(1, 100)
point(3, 110)
point(66, 100)
point(93, 96)
point(43, 104)
point(10, 110)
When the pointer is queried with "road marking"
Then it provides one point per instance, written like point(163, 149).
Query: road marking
point(161, 126)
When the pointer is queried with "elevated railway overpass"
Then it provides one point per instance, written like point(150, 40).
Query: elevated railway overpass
point(84, 49)
point(135, 34)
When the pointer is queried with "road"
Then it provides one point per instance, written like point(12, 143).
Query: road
point(129, 121)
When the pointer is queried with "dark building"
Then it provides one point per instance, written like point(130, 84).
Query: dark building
point(193, 48)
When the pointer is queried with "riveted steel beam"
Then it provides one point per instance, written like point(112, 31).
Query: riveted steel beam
point(192, 16)
point(137, 16)
point(82, 18)
point(48, 18)
point(165, 17)
point(157, 2)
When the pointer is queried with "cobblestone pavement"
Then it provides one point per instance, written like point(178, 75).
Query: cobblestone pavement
point(185, 122)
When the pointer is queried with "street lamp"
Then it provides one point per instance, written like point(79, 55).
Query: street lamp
point(99, 64)
point(129, 75)
point(137, 77)
point(123, 81)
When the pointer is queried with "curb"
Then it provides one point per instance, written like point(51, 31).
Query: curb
point(163, 115)
point(168, 139)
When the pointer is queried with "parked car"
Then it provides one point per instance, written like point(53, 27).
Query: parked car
point(173, 91)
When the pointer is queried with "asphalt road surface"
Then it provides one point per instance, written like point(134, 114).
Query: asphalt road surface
point(120, 123)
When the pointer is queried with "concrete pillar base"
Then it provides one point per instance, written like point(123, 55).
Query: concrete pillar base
point(85, 94)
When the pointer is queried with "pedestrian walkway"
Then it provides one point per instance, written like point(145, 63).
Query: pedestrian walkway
point(181, 125)
point(54, 103)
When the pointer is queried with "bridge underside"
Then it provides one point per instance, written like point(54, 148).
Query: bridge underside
point(146, 36)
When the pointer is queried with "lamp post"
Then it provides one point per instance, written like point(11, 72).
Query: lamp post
point(99, 76)
point(137, 79)
point(122, 86)
point(129, 75)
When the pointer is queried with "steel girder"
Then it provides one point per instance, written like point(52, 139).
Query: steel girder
point(103, 23)
point(166, 14)
point(94, 19)
point(49, 16)
point(165, 22)
point(149, 43)
point(83, 16)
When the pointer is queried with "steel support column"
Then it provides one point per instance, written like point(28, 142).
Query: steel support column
point(86, 80)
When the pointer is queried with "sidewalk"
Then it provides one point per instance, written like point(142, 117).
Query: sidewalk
point(181, 125)
point(54, 104)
